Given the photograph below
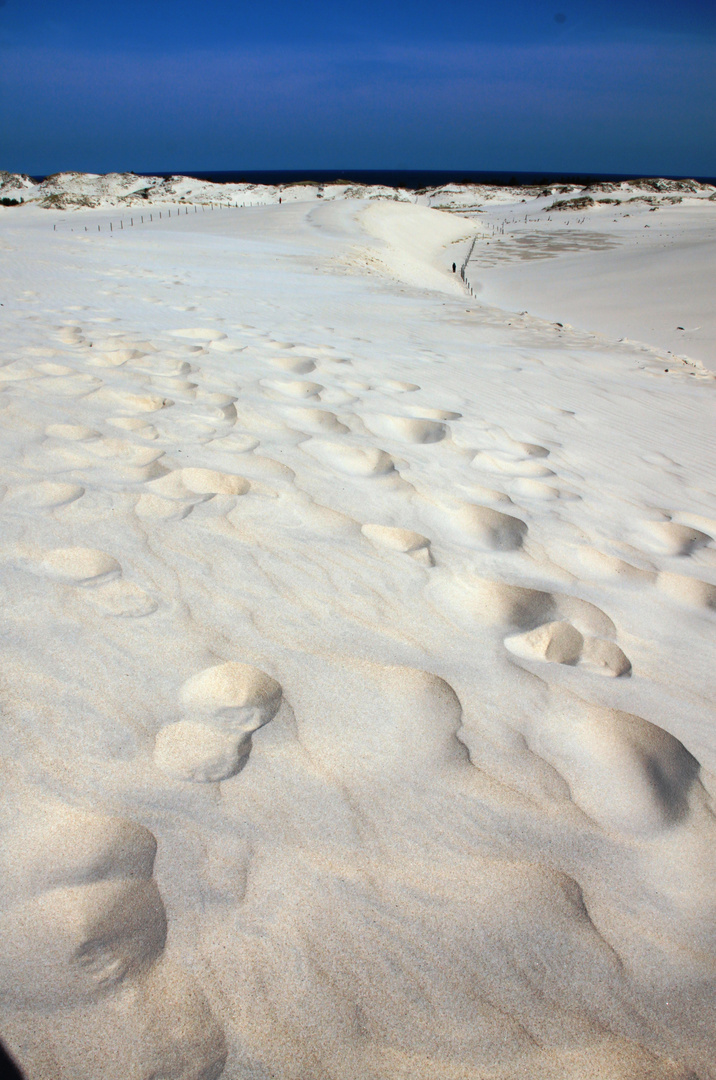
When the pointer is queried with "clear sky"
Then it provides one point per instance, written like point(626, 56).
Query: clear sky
point(523, 85)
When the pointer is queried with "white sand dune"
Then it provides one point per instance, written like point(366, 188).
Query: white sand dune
point(613, 276)
point(359, 641)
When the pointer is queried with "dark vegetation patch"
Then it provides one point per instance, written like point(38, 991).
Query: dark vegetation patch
point(582, 202)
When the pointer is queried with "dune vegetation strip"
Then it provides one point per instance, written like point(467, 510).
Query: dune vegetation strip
point(358, 666)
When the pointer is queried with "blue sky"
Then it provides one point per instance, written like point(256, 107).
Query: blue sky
point(574, 85)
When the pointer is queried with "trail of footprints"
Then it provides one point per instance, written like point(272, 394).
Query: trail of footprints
point(162, 403)
point(166, 409)
point(79, 885)
point(143, 421)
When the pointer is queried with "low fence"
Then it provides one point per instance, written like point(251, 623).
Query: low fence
point(495, 230)
point(498, 230)
point(463, 268)
point(154, 216)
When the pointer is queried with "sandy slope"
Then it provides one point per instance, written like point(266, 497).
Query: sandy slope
point(358, 673)
point(647, 277)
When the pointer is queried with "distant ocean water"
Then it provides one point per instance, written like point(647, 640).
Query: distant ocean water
point(413, 178)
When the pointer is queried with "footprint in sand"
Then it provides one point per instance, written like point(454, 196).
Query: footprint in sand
point(410, 543)
point(356, 461)
point(556, 642)
point(599, 564)
point(55, 369)
point(84, 958)
point(434, 414)
point(16, 372)
point(696, 521)
point(562, 643)
point(234, 443)
point(168, 366)
point(397, 387)
point(143, 428)
point(190, 482)
point(335, 395)
point(79, 565)
point(298, 365)
point(227, 345)
point(405, 428)
point(45, 495)
point(126, 401)
point(72, 432)
point(210, 482)
point(130, 461)
point(99, 575)
point(295, 388)
point(319, 420)
point(485, 494)
point(552, 627)
point(688, 590)
point(517, 447)
point(537, 489)
point(229, 702)
point(96, 868)
point(122, 599)
point(70, 335)
point(409, 720)
point(502, 462)
point(671, 538)
point(110, 357)
point(502, 604)
point(624, 772)
point(148, 507)
point(356, 386)
point(68, 386)
point(215, 406)
point(479, 526)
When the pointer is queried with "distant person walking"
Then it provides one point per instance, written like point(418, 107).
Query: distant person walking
point(454, 268)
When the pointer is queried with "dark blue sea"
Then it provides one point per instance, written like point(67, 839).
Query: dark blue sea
point(413, 179)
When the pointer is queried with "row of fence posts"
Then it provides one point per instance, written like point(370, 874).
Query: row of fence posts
point(495, 229)
point(178, 209)
point(501, 230)
point(463, 268)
